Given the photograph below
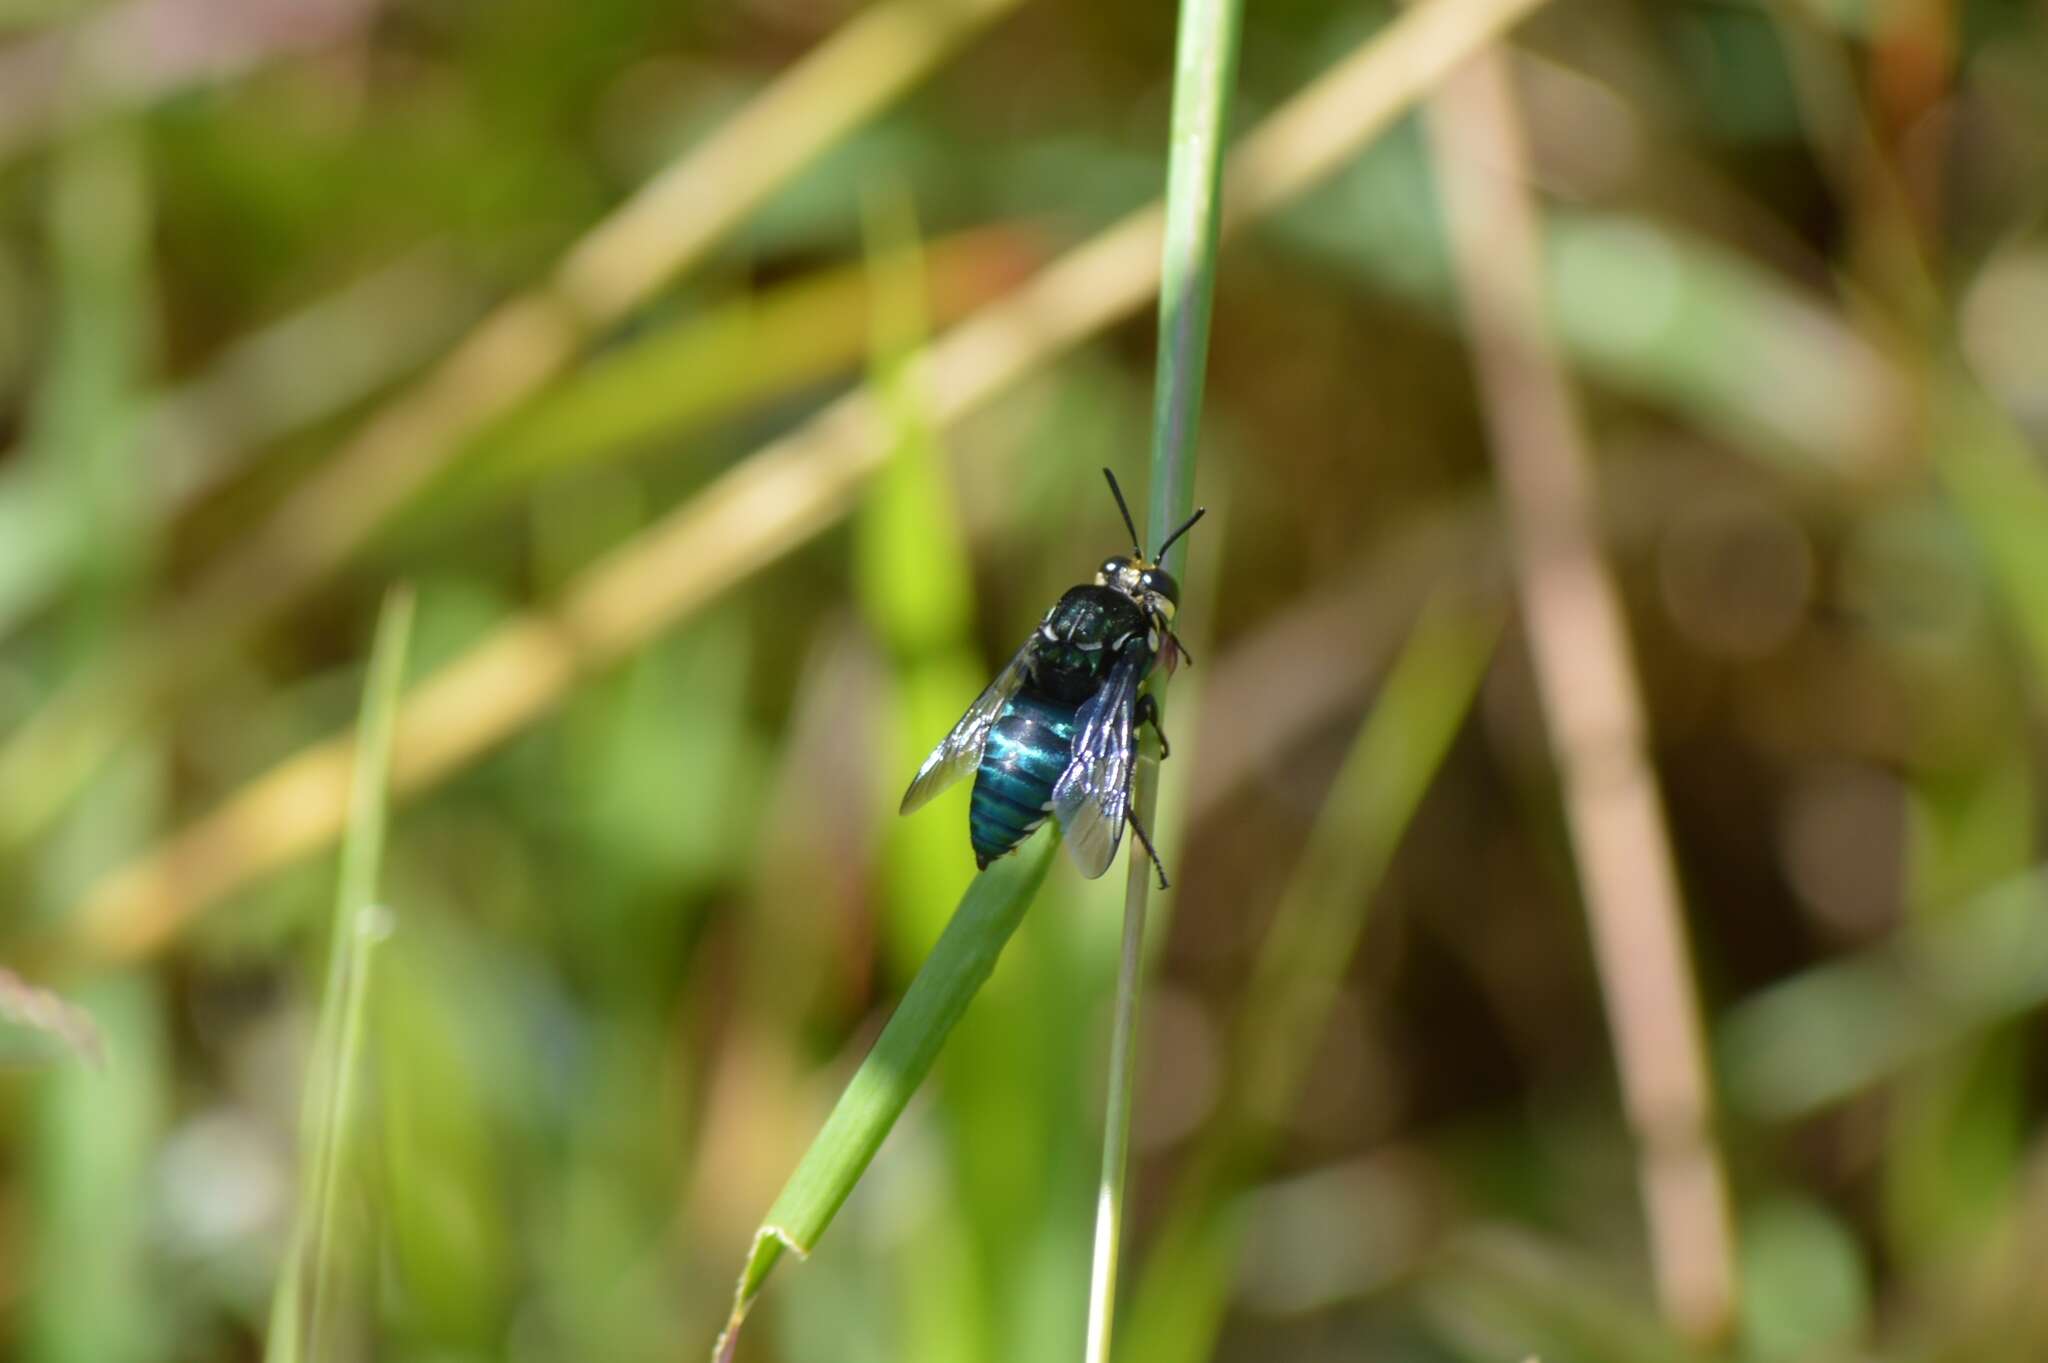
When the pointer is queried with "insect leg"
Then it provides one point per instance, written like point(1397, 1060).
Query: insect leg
point(1147, 712)
point(1131, 817)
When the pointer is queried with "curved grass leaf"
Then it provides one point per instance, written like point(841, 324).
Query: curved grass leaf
point(959, 964)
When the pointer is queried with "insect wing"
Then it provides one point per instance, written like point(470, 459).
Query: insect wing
point(959, 752)
point(1094, 792)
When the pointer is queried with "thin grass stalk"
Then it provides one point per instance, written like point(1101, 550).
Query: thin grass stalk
point(1123, 1047)
point(776, 499)
point(302, 1311)
point(1590, 698)
point(1205, 67)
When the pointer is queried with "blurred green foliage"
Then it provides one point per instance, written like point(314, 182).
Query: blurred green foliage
point(1798, 265)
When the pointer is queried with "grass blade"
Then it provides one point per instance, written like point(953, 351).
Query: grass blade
point(1205, 67)
point(959, 963)
point(89, 1142)
point(914, 577)
point(302, 1310)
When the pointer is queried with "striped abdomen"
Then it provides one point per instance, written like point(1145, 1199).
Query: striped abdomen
point(1026, 751)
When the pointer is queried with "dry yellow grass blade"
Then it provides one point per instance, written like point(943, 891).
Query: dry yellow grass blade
point(774, 500)
point(662, 230)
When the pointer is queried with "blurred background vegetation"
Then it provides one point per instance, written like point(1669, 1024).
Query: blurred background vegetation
point(549, 309)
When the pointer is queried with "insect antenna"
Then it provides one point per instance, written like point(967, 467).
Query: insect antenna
point(1185, 526)
point(1129, 524)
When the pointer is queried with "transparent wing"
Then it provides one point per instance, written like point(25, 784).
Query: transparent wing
point(1093, 792)
point(959, 752)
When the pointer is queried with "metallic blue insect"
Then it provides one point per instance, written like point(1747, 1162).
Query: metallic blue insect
point(1055, 731)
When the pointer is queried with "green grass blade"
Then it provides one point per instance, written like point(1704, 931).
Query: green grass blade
point(92, 1136)
point(302, 1311)
point(88, 1149)
point(362, 850)
point(915, 578)
point(960, 962)
point(915, 584)
point(1013, 1162)
point(1315, 934)
point(85, 416)
point(1205, 66)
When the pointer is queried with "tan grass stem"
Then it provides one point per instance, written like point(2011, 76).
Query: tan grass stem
point(1589, 695)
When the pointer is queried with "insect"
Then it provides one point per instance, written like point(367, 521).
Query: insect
point(1054, 732)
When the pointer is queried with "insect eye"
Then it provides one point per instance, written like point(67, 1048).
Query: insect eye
point(1160, 581)
point(1111, 570)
